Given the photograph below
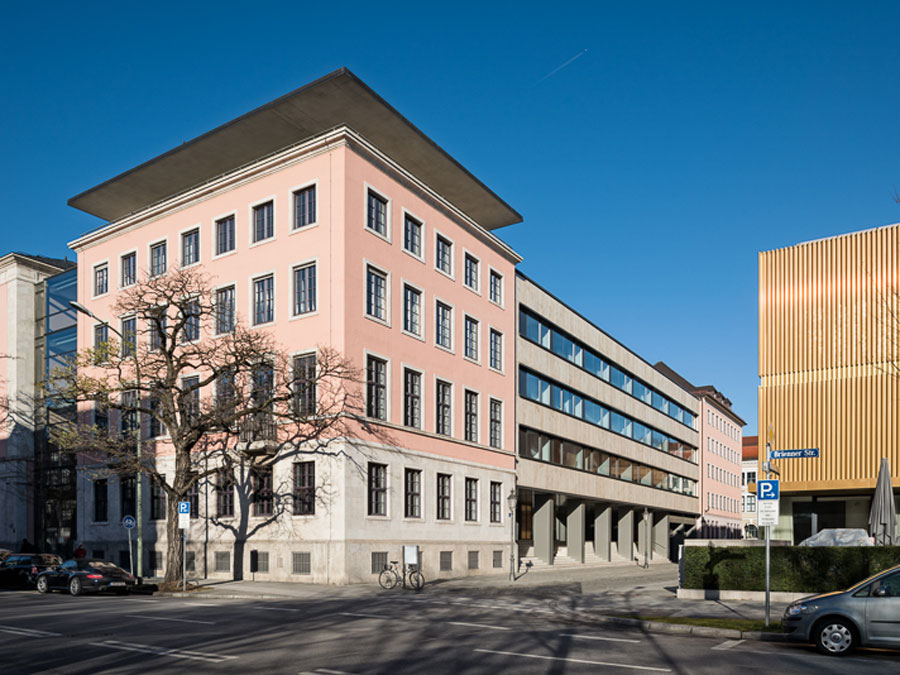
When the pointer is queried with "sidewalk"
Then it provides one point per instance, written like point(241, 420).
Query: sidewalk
point(599, 594)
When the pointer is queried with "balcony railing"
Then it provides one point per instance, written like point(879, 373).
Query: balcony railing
point(258, 434)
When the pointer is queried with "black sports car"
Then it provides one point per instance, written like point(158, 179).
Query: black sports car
point(85, 576)
point(19, 570)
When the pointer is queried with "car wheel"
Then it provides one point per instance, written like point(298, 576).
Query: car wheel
point(75, 586)
point(43, 585)
point(835, 637)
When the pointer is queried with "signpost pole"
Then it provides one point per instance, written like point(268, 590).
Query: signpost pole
point(184, 561)
point(768, 544)
point(130, 552)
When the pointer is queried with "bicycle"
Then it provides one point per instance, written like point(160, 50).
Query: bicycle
point(391, 576)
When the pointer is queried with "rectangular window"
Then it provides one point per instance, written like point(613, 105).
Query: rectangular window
point(129, 336)
point(304, 289)
point(443, 496)
point(496, 496)
point(129, 421)
point(377, 489)
point(376, 380)
point(471, 415)
point(263, 221)
point(225, 239)
point(101, 500)
point(190, 247)
point(128, 495)
point(473, 560)
point(412, 310)
point(443, 396)
point(443, 325)
point(157, 321)
point(376, 219)
point(412, 493)
point(129, 269)
point(158, 259)
point(191, 328)
point(157, 500)
point(304, 488)
point(412, 236)
point(443, 255)
point(305, 384)
point(412, 398)
point(225, 493)
point(471, 334)
point(190, 560)
point(446, 561)
point(262, 497)
point(263, 300)
point(471, 499)
point(193, 496)
point(300, 563)
point(379, 561)
point(470, 275)
point(101, 279)
point(190, 386)
point(154, 426)
point(498, 560)
point(376, 293)
point(101, 413)
point(225, 306)
point(304, 207)
point(223, 561)
point(496, 349)
point(496, 290)
point(496, 423)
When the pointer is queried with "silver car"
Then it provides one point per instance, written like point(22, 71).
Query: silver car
point(867, 613)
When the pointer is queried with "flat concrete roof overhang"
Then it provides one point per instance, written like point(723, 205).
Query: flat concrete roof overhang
point(337, 99)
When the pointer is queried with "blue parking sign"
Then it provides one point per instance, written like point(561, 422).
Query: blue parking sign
point(767, 490)
point(184, 507)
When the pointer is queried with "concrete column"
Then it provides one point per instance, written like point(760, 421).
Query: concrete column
point(660, 548)
point(625, 541)
point(544, 524)
point(643, 542)
point(603, 532)
point(575, 532)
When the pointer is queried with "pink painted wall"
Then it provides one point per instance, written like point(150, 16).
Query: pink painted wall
point(720, 450)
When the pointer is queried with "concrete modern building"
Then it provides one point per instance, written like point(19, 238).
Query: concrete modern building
point(749, 467)
point(720, 460)
point(328, 219)
point(607, 445)
point(829, 365)
point(36, 494)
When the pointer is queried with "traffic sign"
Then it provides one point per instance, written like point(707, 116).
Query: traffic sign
point(766, 490)
point(804, 453)
point(128, 522)
point(767, 502)
point(184, 515)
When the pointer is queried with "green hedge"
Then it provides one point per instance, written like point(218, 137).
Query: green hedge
point(799, 569)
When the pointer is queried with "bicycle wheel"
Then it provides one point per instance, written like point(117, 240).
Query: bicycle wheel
point(387, 579)
point(415, 580)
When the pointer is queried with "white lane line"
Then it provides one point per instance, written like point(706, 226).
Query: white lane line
point(201, 604)
point(599, 637)
point(477, 625)
point(728, 644)
point(166, 618)
point(162, 651)
point(570, 660)
point(367, 616)
point(277, 609)
point(324, 671)
point(29, 632)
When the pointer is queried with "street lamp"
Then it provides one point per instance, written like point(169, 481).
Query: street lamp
point(511, 500)
point(139, 516)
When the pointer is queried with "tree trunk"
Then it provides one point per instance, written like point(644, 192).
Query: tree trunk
point(240, 543)
point(174, 549)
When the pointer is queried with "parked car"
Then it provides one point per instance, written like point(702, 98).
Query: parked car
point(19, 570)
point(867, 613)
point(79, 576)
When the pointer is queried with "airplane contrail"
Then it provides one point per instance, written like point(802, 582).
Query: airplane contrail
point(559, 68)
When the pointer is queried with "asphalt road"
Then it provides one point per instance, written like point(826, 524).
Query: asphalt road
point(397, 632)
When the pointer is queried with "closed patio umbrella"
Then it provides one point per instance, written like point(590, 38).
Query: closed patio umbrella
point(883, 516)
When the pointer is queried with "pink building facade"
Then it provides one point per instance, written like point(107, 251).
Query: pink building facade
point(359, 234)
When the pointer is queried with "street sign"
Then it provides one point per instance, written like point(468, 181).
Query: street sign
point(804, 453)
point(767, 489)
point(184, 515)
point(128, 522)
point(767, 494)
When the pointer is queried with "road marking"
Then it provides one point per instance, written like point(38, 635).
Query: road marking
point(163, 651)
point(728, 644)
point(165, 618)
point(599, 637)
point(324, 671)
point(144, 600)
point(477, 625)
point(277, 609)
point(201, 604)
point(367, 616)
point(29, 632)
point(570, 660)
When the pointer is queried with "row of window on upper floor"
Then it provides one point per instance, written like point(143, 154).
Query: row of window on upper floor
point(717, 421)
point(717, 502)
point(538, 330)
point(719, 474)
point(541, 390)
point(722, 450)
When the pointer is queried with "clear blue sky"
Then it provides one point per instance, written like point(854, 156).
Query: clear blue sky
point(650, 170)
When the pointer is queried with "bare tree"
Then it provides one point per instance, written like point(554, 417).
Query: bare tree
point(212, 395)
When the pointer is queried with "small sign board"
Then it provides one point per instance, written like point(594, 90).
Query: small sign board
point(767, 490)
point(767, 494)
point(128, 522)
point(410, 555)
point(804, 453)
point(184, 515)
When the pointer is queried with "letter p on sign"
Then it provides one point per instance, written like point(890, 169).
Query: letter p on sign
point(767, 490)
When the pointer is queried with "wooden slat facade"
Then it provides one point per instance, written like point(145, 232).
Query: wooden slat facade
point(829, 358)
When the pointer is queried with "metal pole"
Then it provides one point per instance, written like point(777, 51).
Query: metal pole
point(130, 552)
point(184, 560)
point(512, 535)
point(768, 542)
point(646, 537)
